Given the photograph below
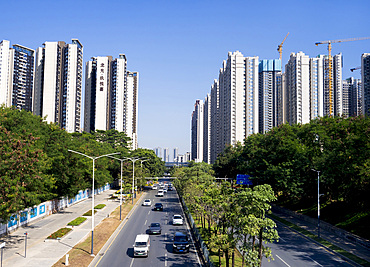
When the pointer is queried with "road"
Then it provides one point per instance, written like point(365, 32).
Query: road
point(295, 250)
point(120, 252)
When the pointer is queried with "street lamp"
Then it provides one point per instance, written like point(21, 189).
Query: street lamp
point(318, 202)
point(133, 176)
point(93, 189)
point(141, 166)
point(120, 203)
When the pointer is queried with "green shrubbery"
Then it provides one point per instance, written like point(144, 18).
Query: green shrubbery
point(60, 233)
point(99, 207)
point(77, 221)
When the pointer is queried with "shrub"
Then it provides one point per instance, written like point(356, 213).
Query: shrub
point(60, 233)
point(100, 206)
point(77, 221)
point(88, 213)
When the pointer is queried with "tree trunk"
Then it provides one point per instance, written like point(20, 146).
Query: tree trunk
point(243, 254)
point(219, 257)
point(260, 247)
point(233, 258)
point(253, 242)
point(227, 258)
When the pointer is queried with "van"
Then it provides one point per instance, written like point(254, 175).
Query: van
point(141, 246)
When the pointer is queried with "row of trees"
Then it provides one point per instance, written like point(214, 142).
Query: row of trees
point(229, 217)
point(37, 166)
point(286, 156)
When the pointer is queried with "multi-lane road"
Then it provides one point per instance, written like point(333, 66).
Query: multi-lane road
point(120, 251)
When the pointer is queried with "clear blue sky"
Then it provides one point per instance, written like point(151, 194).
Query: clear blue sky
point(178, 46)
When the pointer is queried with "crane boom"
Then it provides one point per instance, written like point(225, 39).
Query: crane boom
point(342, 40)
point(330, 65)
point(280, 47)
point(357, 68)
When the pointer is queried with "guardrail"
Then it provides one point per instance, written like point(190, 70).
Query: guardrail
point(197, 235)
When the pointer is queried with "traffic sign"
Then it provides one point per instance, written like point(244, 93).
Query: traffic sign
point(243, 179)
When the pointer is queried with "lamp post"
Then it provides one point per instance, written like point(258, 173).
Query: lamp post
point(120, 203)
point(141, 166)
point(318, 202)
point(93, 189)
point(133, 176)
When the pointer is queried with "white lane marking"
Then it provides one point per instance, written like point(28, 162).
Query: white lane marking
point(166, 222)
point(148, 212)
point(282, 260)
point(314, 260)
point(145, 222)
point(132, 262)
point(282, 239)
point(165, 260)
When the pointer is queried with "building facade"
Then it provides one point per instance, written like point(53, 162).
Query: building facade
point(207, 129)
point(365, 78)
point(269, 94)
point(197, 132)
point(6, 73)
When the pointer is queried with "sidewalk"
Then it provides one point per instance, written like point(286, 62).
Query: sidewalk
point(342, 242)
point(41, 252)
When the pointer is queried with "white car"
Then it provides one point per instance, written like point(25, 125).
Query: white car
point(160, 193)
point(147, 202)
point(177, 220)
point(154, 187)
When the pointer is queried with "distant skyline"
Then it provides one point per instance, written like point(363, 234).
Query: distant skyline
point(178, 46)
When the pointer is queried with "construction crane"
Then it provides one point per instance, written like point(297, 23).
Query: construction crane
point(280, 47)
point(357, 68)
point(331, 65)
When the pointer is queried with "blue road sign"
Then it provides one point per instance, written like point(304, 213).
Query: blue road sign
point(243, 179)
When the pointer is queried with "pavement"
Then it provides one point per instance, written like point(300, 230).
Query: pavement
point(42, 252)
point(340, 241)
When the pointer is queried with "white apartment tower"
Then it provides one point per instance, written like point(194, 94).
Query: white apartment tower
point(365, 78)
point(297, 89)
point(111, 96)
point(215, 131)
point(131, 107)
point(6, 73)
point(197, 132)
point(316, 87)
point(207, 129)
point(58, 84)
point(238, 91)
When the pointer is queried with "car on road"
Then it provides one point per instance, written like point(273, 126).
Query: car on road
point(155, 228)
point(141, 245)
point(177, 220)
point(158, 206)
point(160, 193)
point(170, 188)
point(154, 187)
point(165, 190)
point(147, 202)
point(180, 242)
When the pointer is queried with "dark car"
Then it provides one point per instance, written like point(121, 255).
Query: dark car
point(155, 228)
point(180, 242)
point(158, 206)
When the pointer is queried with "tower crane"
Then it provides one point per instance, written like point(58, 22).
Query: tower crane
point(329, 42)
point(280, 47)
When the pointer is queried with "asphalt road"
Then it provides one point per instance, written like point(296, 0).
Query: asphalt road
point(294, 249)
point(120, 252)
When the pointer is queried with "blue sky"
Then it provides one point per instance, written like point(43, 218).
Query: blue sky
point(178, 46)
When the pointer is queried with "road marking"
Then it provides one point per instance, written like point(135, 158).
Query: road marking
point(282, 260)
point(145, 222)
point(313, 260)
point(132, 262)
point(148, 212)
point(165, 259)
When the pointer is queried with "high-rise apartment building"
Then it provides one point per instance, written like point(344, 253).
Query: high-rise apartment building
point(131, 108)
point(365, 78)
point(215, 130)
point(23, 66)
point(58, 84)
point(352, 97)
point(207, 129)
point(316, 87)
point(197, 132)
point(297, 89)
point(111, 96)
point(270, 91)
point(6, 73)
point(175, 154)
point(158, 152)
point(166, 155)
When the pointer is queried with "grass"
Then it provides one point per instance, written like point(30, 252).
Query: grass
point(323, 242)
point(77, 221)
point(60, 233)
point(88, 213)
point(99, 207)
point(79, 255)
